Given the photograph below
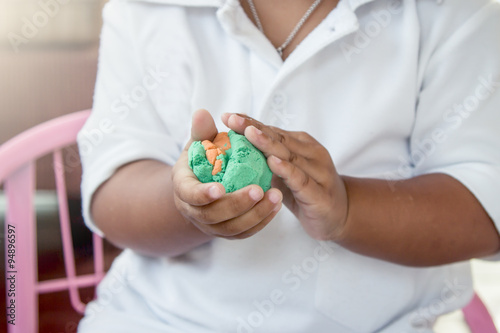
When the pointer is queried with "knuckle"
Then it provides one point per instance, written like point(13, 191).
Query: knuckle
point(305, 181)
point(303, 136)
point(280, 137)
point(319, 152)
point(292, 158)
point(234, 204)
point(273, 129)
point(202, 214)
point(261, 212)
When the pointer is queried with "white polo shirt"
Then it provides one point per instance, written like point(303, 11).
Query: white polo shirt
point(392, 88)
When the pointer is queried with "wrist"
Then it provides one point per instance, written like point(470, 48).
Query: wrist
point(342, 215)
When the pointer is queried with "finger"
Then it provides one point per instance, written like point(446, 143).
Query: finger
point(253, 220)
point(308, 155)
point(202, 127)
point(228, 207)
point(261, 225)
point(300, 183)
point(186, 185)
point(288, 198)
point(239, 122)
point(225, 118)
point(194, 193)
point(299, 142)
point(269, 145)
point(298, 148)
point(189, 189)
point(289, 150)
point(268, 140)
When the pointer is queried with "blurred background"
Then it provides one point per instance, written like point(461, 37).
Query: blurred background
point(48, 65)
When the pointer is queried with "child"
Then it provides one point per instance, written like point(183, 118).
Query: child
point(379, 119)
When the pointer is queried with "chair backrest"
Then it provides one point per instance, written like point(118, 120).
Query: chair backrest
point(17, 173)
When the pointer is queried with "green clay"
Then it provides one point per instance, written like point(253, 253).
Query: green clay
point(242, 165)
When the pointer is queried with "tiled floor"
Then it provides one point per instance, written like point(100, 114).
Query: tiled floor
point(487, 285)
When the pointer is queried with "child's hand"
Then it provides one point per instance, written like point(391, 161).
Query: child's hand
point(312, 188)
point(236, 215)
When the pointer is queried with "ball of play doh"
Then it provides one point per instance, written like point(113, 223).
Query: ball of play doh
point(231, 160)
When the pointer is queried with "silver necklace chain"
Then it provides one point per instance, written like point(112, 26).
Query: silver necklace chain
point(294, 31)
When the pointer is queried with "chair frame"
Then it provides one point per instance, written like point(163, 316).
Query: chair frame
point(17, 172)
point(478, 317)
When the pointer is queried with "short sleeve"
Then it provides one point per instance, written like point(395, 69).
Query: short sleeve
point(141, 109)
point(457, 126)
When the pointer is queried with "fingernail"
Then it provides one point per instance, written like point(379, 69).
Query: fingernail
point(257, 131)
point(255, 194)
point(276, 159)
point(215, 192)
point(274, 197)
point(239, 120)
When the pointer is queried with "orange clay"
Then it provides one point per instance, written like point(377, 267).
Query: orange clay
point(208, 145)
point(222, 141)
point(217, 167)
point(212, 155)
point(218, 147)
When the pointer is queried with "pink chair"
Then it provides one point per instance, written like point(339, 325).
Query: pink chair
point(477, 317)
point(17, 172)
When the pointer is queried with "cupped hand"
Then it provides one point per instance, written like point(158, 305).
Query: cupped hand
point(304, 172)
point(236, 215)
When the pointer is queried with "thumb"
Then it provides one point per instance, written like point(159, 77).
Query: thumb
point(203, 126)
